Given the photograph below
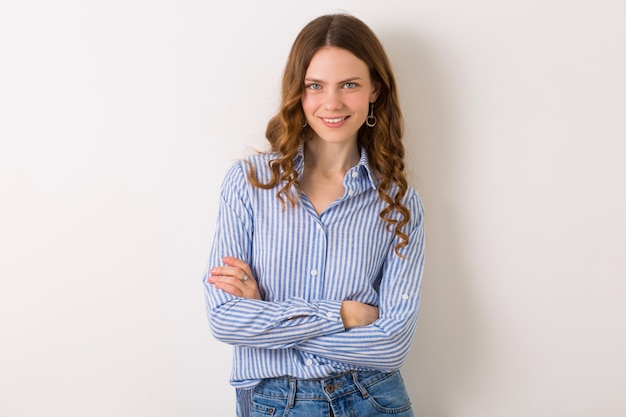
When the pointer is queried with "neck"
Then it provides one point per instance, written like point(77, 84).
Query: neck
point(331, 157)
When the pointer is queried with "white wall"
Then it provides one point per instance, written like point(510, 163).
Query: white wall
point(118, 120)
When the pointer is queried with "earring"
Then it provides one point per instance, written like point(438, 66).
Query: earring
point(305, 124)
point(371, 119)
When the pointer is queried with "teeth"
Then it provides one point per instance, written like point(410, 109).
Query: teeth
point(337, 120)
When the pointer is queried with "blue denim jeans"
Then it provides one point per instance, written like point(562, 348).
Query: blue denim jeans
point(362, 394)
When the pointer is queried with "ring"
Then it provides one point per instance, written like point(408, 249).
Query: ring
point(244, 278)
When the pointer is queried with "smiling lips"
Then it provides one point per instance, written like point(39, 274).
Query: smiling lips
point(334, 122)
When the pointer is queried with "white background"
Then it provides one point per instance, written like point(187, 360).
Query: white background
point(118, 120)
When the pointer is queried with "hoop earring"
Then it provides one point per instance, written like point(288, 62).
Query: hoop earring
point(371, 119)
point(305, 124)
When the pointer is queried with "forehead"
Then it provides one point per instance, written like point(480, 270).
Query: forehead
point(331, 62)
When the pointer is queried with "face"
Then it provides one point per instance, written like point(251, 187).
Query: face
point(337, 94)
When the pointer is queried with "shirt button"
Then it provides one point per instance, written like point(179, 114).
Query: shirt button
point(314, 272)
point(355, 174)
point(405, 296)
point(309, 362)
point(329, 315)
point(351, 193)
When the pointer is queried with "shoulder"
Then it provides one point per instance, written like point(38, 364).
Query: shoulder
point(239, 171)
point(259, 163)
point(413, 198)
point(413, 202)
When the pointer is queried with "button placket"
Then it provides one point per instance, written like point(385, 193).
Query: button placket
point(315, 268)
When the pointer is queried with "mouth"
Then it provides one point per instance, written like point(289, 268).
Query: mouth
point(334, 120)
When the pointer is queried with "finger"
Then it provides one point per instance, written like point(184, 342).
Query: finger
point(233, 284)
point(226, 279)
point(231, 271)
point(229, 288)
point(235, 287)
point(238, 263)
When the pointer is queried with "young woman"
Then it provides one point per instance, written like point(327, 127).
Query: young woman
point(315, 271)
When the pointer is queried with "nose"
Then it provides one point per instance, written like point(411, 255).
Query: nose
point(332, 101)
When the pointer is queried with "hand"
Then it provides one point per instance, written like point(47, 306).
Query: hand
point(235, 278)
point(357, 314)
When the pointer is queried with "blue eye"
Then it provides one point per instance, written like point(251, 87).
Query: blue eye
point(350, 85)
point(314, 86)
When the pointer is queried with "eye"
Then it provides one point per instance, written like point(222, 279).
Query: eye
point(313, 86)
point(350, 85)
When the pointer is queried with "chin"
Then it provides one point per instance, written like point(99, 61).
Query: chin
point(336, 137)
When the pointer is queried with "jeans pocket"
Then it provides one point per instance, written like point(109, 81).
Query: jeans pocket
point(261, 410)
point(388, 395)
point(264, 405)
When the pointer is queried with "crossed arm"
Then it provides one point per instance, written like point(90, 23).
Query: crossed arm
point(236, 278)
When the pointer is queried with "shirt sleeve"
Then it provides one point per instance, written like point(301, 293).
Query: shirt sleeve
point(384, 344)
point(246, 322)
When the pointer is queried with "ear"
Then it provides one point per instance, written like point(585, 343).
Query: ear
point(375, 91)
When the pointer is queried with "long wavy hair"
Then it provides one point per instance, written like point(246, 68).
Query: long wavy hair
point(385, 151)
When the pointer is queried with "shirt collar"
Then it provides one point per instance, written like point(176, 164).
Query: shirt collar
point(363, 168)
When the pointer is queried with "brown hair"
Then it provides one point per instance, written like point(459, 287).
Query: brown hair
point(382, 142)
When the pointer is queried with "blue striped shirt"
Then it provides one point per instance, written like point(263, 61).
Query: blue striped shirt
point(306, 264)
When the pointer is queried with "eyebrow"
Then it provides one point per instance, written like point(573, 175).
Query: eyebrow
point(347, 80)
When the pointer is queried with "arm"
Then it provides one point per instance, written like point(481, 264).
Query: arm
point(236, 278)
point(384, 344)
point(247, 321)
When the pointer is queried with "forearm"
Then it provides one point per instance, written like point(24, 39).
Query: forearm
point(270, 325)
point(383, 345)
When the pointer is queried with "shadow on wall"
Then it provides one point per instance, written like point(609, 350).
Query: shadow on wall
point(442, 367)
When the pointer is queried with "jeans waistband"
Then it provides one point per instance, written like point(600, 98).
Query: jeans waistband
point(321, 389)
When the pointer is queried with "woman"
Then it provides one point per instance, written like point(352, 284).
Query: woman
point(315, 271)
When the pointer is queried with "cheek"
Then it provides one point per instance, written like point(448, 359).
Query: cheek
point(308, 104)
point(359, 100)
point(360, 104)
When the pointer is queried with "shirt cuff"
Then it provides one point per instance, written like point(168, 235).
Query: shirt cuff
point(331, 311)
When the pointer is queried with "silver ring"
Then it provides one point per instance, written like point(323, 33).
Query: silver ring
point(244, 278)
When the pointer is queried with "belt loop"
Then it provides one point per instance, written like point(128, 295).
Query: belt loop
point(291, 400)
point(362, 390)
